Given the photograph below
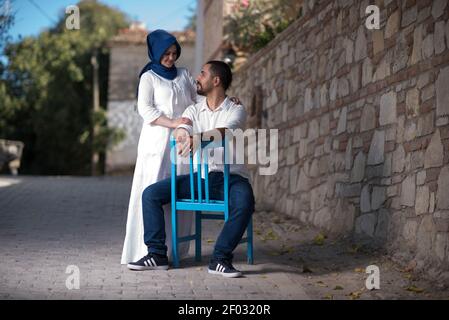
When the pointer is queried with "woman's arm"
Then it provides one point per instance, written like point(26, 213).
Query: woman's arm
point(171, 123)
point(149, 113)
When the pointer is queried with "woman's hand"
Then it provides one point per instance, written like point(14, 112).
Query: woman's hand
point(182, 120)
point(235, 100)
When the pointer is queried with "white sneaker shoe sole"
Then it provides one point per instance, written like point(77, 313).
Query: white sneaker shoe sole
point(142, 268)
point(226, 275)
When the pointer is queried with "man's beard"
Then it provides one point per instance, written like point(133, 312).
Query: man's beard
point(200, 90)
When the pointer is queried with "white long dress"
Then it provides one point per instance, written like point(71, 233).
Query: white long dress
point(157, 96)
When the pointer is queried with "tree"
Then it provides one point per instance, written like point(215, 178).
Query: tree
point(48, 89)
point(191, 23)
point(253, 24)
point(6, 21)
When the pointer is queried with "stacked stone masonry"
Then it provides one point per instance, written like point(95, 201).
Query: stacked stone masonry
point(363, 120)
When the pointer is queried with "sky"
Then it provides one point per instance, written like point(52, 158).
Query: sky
point(171, 15)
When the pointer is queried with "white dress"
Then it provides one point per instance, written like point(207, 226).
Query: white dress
point(157, 96)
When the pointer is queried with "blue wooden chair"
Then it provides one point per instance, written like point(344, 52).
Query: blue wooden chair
point(200, 203)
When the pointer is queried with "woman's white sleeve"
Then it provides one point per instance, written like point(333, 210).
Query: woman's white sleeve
point(145, 100)
point(192, 85)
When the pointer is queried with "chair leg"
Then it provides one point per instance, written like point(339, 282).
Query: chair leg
point(198, 235)
point(174, 224)
point(249, 232)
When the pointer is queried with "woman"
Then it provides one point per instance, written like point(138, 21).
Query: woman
point(163, 94)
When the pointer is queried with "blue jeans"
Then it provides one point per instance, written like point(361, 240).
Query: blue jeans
point(241, 207)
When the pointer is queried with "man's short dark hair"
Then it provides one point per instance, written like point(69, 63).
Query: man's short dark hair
point(222, 70)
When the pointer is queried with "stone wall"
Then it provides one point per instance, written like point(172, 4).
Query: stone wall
point(363, 124)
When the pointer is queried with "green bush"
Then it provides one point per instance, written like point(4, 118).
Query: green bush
point(250, 28)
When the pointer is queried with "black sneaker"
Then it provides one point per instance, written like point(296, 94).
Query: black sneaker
point(150, 262)
point(224, 268)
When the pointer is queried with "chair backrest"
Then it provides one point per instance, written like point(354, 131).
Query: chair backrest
point(202, 161)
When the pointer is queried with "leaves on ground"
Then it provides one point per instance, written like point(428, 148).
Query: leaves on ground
point(321, 284)
point(270, 235)
point(276, 220)
point(306, 269)
point(354, 249)
point(337, 287)
point(359, 270)
point(410, 267)
point(286, 249)
point(328, 297)
point(355, 295)
point(319, 239)
point(210, 241)
point(415, 289)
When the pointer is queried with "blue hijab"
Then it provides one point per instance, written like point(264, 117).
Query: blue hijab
point(158, 42)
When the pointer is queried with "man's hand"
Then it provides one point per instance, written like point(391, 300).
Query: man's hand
point(184, 141)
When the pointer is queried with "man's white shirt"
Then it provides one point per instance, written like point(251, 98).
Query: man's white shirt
point(228, 115)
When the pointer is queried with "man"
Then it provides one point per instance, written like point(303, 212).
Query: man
point(213, 115)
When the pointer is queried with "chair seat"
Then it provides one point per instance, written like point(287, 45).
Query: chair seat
point(196, 201)
point(212, 205)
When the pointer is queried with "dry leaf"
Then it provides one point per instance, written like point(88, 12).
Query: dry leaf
point(210, 241)
point(328, 297)
point(354, 249)
point(286, 249)
point(337, 287)
point(410, 267)
point(306, 269)
point(319, 239)
point(271, 235)
point(415, 289)
point(359, 270)
point(355, 295)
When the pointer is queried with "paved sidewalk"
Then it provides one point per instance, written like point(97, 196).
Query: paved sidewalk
point(49, 223)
